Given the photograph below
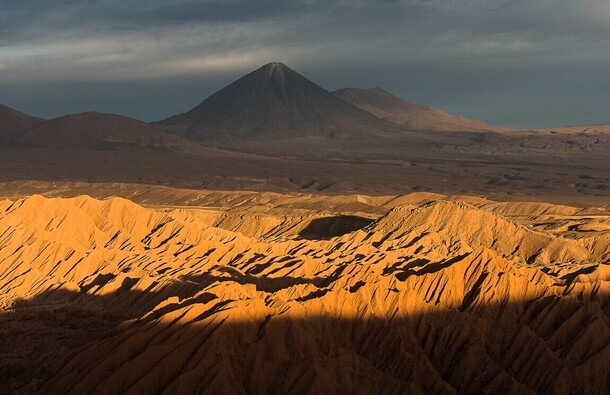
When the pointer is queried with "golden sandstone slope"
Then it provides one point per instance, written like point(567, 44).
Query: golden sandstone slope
point(266, 293)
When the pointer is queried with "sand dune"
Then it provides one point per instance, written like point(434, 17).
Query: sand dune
point(271, 293)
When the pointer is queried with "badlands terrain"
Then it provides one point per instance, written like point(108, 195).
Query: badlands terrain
point(182, 291)
point(281, 238)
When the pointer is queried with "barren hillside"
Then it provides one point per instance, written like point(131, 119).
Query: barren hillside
point(268, 293)
point(100, 131)
point(13, 124)
point(412, 116)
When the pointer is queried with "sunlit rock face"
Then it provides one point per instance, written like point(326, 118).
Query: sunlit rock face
point(261, 293)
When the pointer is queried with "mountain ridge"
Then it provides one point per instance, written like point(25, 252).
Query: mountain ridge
point(387, 106)
point(13, 123)
point(95, 130)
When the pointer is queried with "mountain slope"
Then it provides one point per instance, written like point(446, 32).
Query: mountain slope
point(273, 102)
point(101, 131)
point(14, 123)
point(413, 116)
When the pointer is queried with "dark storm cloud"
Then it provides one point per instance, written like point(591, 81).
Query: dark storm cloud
point(493, 59)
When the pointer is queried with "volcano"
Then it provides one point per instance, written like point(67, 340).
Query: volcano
point(386, 106)
point(14, 123)
point(274, 103)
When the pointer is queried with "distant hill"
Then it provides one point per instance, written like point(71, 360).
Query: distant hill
point(578, 129)
point(274, 103)
point(14, 123)
point(411, 116)
point(100, 131)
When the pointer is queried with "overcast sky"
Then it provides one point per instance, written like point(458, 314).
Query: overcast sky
point(520, 63)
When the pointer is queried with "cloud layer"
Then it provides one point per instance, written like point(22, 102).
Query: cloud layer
point(516, 62)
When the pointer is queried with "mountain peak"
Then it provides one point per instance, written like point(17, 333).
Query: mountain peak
point(272, 102)
point(378, 89)
point(275, 66)
point(275, 70)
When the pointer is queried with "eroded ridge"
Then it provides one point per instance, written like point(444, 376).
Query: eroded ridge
point(426, 296)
